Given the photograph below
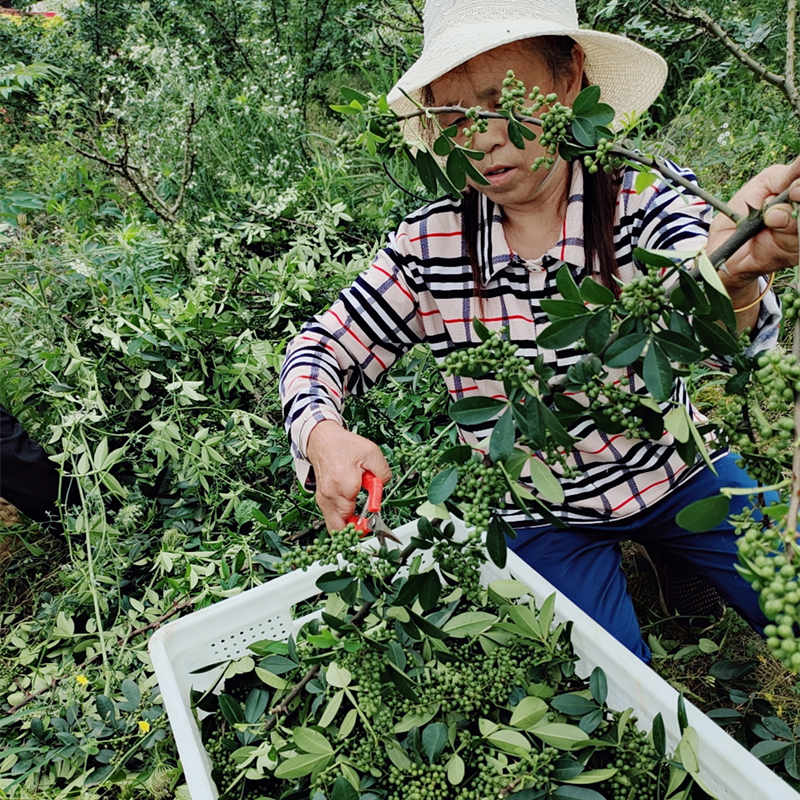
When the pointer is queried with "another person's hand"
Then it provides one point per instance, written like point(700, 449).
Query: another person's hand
point(340, 458)
point(773, 248)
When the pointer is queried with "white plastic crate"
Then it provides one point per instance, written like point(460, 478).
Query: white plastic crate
point(223, 631)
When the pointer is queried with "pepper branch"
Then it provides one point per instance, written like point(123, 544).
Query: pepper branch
point(746, 226)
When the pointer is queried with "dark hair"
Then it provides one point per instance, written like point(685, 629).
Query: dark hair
point(600, 190)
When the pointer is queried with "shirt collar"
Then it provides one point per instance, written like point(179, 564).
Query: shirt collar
point(494, 254)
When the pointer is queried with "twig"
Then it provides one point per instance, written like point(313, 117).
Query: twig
point(122, 641)
point(700, 18)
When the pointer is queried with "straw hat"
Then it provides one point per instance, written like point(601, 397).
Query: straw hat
point(629, 75)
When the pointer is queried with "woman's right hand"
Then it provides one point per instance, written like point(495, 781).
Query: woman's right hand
point(340, 458)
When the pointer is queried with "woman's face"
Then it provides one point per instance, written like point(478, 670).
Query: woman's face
point(479, 82)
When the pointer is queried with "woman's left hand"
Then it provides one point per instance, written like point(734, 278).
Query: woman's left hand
point(771, 249)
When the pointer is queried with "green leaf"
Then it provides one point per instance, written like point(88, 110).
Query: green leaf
point(560, 735)
point(455, 769)
point(255, 705)
point(231, 709)
point(644, 180)
point(416, 719)
point(332, 582)
point(278, 665)
point(710, 275)
point(598, 685)
point(715, 337)
point(427, 170)
point(586, 100)
point(430, 589)
point(678, 347)
point(337, 676)
point(443, 485)
point(528, 712)
point(595, 293)
point(132, 694)
point(457, 168)
point(545, 482)
point(509, 589)
point(475, 410)
point(442, 146)
point(652, 259)
point(676, 421)
point(501, 443)
point(657, 373)
point(598, 330)
point(470, 623)
point(770, 751)
point(584, 132)
point(426, 626)
point(625, 350)
point(683, 722)
point(331, 709)
point(397, 755)
point(510, 742)
point(602, 114)
point(343, 790)
point(563, 332)
point(563, 308)
point(298, 766)
point(310, 741)
point(704, 515)
point(496, 542)
point(434, 739)
point(565, 283)
point(483, 332)
point(659, 735)
point(593, 776)
point(576, 793)
point(573, 705)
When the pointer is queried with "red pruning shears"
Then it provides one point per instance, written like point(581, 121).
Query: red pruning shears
point(370, 520)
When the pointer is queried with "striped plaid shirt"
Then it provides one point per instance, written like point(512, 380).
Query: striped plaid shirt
point(420, 289)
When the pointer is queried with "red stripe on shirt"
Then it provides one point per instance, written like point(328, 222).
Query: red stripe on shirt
point(394, 280)
point(430, 235)
point(309, 378)
point(347, 330)
point(491, 319)
point(318, 341)
point(647, 488)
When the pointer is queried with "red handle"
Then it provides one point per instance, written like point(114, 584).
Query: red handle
point(374, 486)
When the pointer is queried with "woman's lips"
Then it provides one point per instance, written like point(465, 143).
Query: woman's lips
point(498, 175)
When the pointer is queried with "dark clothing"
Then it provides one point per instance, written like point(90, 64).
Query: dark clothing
point(584, 562)
point(28, 479)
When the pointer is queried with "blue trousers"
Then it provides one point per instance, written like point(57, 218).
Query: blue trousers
point(585, 562)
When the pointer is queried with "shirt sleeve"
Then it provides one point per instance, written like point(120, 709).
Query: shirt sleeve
point(345, 349)
point(676, 220)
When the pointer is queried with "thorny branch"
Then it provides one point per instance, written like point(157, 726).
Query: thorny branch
point(138, 178)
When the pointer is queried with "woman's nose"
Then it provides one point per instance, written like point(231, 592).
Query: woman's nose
point(495, 136)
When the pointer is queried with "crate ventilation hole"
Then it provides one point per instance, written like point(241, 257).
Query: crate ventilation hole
point(234, 644)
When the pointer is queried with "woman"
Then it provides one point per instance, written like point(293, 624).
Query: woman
point(493, 254)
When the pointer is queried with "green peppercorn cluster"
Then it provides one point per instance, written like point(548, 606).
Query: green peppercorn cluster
point(601, 158)
point(634, 762)
point(778, 374)
point(495, 357)
point(462, 560)
point(644, 297)
point(765, 552)
point(383, 124)
point(481, 488)
point(790, 303)
point(418, 782)
point(219, 745)
point(325, 550)
point(616, 404)
point(556, 123)
point(329, 547)
point(478, 124)
point(416, 457)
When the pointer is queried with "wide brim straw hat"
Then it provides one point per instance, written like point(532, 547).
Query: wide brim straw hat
point(629, 75)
